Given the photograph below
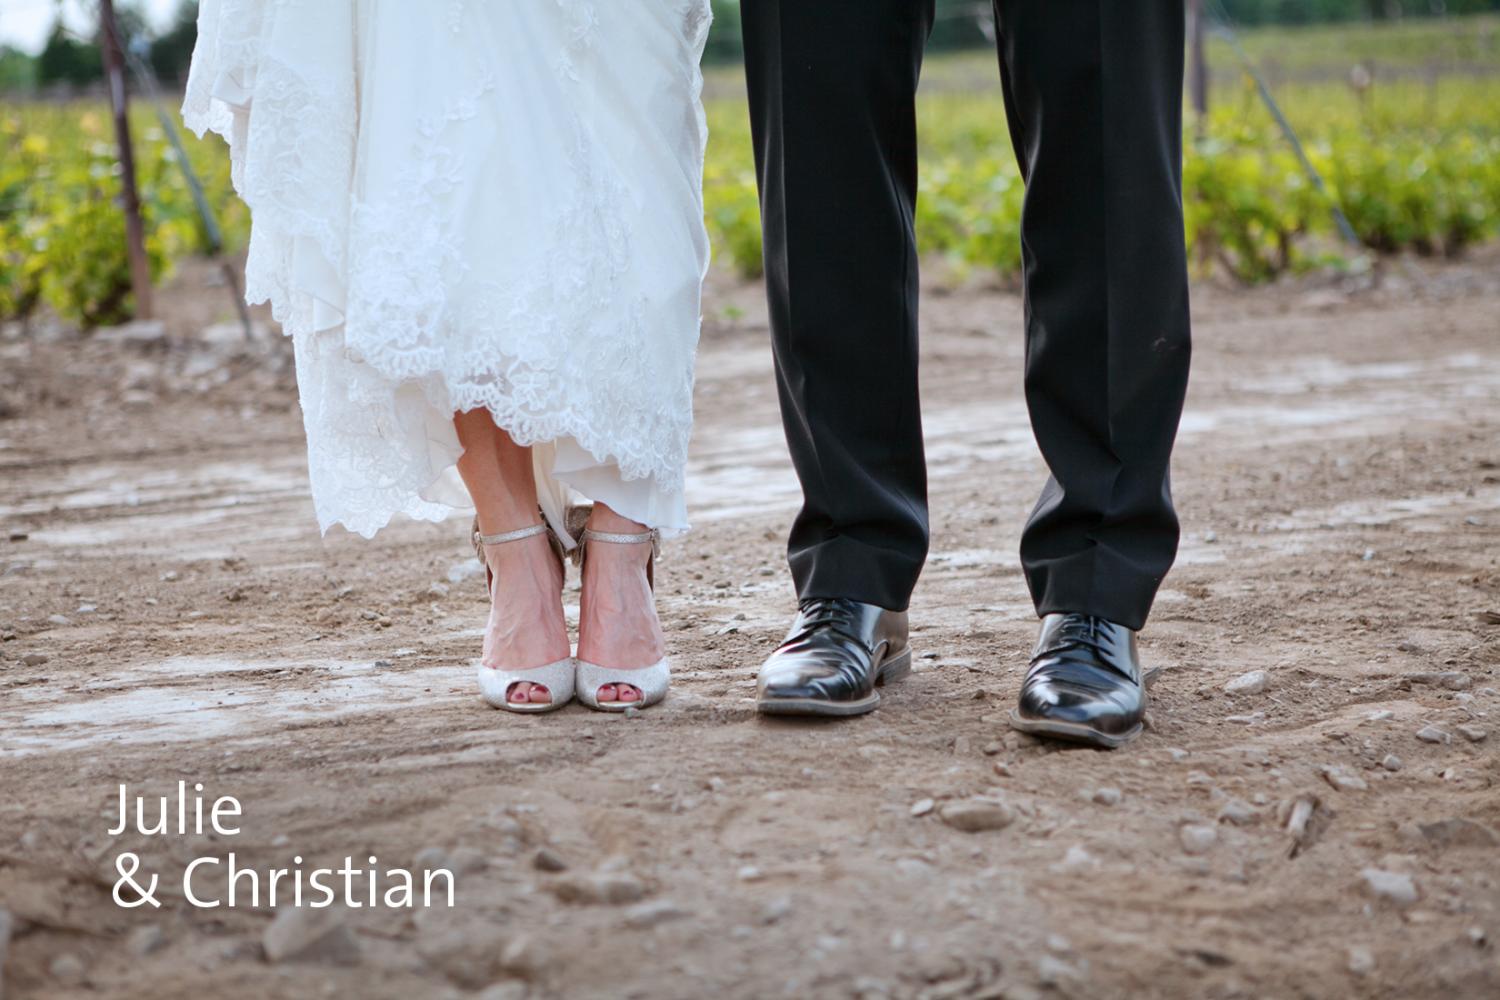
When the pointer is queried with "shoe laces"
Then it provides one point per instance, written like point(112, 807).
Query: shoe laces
point(1087, 632)
point(1080, 630)
point(836, 613)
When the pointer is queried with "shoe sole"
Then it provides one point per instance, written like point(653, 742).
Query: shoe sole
point(891, 670)
point(1072, 732)
point(526, 708)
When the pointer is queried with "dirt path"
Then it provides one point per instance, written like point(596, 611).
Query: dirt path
point(169, 612)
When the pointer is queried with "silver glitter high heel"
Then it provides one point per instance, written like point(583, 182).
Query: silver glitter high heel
point(557, 678)
point(652, 681)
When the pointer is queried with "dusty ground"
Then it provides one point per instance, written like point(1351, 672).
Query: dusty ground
point(169, 612)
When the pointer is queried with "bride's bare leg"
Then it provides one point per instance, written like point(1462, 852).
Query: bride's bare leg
point(526, 626)
point(617, 623)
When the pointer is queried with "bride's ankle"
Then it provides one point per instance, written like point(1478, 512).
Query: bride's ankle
point(602, 518)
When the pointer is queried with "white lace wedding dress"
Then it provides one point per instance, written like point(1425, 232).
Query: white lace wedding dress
point(472, 203)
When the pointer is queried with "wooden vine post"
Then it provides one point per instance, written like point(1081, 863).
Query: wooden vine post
point(113, 50)
point(1198, 64)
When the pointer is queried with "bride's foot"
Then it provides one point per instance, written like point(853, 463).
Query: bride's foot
point(526, 628)
point(618, 631)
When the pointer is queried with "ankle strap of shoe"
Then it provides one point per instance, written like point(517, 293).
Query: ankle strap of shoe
point(509, 536)
point(652, 538)
point(634, 538)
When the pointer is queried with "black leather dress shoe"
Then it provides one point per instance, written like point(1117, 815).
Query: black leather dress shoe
point(833, 658)
point(1085, 683)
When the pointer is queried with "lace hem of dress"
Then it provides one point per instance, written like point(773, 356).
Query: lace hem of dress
point(382, 360)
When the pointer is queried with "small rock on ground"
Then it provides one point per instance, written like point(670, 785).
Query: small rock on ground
point(146, 940)
point(1343, 779)
point(1108, 796)
point(1453, 680)
point(1052, 971)
point(67, 969)
point(1077, 858)
point(472, 953)
point(1239, 812)
point(654, 912)
point(465, 860)
point(1197, 838)
point(1394, 886)
point(1255, 682)
point(977, 815)
point(776, 910)
point(610, 888)
point(1433, 734)
point(1473, 733)
point(303, 934)
point(1361, 961)
point(1459, 832)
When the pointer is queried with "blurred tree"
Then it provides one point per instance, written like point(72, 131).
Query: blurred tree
point(17, 70)
point(724, 39)
point(967, 23)
point(74, 61)
point(962, 24)
point(1249, 12)
point(172, 51)
point(66, 60)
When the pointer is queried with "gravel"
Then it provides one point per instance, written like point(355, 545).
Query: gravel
point(1453, 680)
point(5, 928)
point(1459, 832)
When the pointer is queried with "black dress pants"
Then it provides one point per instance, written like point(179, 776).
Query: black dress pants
point(1093, 94)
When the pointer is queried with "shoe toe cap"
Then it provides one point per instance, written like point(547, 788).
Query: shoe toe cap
point(1105, 711)
point(808, 674)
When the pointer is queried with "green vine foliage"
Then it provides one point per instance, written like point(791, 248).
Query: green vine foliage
point(62, 230)
point(1414, 165)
